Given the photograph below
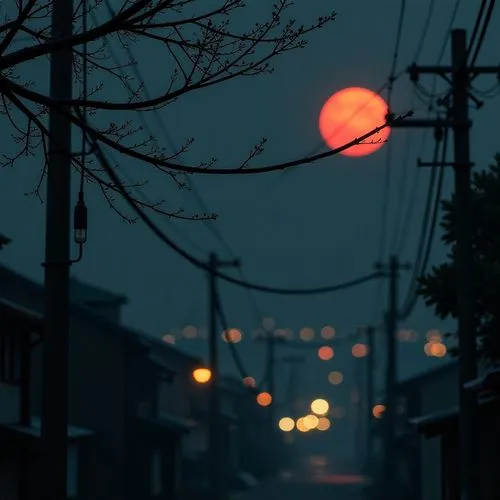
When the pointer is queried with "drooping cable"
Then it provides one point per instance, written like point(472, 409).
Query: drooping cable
point(204, 266)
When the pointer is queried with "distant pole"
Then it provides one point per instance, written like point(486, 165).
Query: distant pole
point(213, 438)
point(217, 492)
point(391, 321)
point(370, 375)
point(272, 379)
point(57, 261)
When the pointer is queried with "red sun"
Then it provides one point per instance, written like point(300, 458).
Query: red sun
point(351, 113)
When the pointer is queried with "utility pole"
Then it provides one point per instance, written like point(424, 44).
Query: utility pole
point(391, 320)
point(271, 370)
point(370, 374)
point(57, 261)
point(214, 456)
point(461, 78)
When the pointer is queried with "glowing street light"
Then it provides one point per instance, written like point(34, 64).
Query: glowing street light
point(264, 399)
point(202, 375)
point(286, 424)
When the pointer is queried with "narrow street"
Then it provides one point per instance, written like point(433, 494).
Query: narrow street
point(327, 487)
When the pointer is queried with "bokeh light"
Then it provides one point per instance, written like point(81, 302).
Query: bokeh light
point(328, 332)
point(378, 411)
point(359, 350)
point(202, 375)
point(320, 406)
point(301, 427)
point(306, 334)
point(286, 424)
point(232, 335)
point(434, 336)
point(323, 424)
point(335, 378)
point(249, 382)
point(435, 349)
point(354, 396)
point(325, 353)
point(264, 399)
point(189, 331)
point(310, 422)
point(168, 338)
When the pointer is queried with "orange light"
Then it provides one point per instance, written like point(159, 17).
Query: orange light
point(249, 382)
point(359, 350)
point(378, 411)
point(306, 334)
point(323, 424)
point(232, 335)
point(325, 353)
point(202, 375)
point(335, 378)
point(301, 427)
point(328, 332)
point(351, 113)
point(435, 349)
point(434, 336)
point(264, 399)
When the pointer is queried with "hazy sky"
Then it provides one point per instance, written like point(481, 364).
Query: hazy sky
point(318, 224)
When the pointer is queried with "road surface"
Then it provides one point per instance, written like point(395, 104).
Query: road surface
point(326, 487)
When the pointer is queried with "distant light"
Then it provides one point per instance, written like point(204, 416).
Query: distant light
point(335, 378)
point(306, 334)
point(435, 349)
point(286, 424)
point(359, 350)
point(232, 335)
point(310, 422)
point(328, 332)
point(269, 324)
point(434, 336)
point(202, 375)
point(404, 335)
point(168, 338)
point(325, 353)
point(323, 424)
point(189, 331)
point(338, 412)
point(378, 411)
point(320, 406)
point(289, 333)
point(301, 427)
point(249, 382)
point(280, 333)
point(264, 399)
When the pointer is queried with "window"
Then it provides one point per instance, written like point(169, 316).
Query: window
point(156, 474)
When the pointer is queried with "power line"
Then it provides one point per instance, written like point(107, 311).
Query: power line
point(484, 30)
point(202, 265)
point(412, 298)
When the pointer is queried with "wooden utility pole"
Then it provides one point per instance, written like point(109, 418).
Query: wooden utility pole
point(461, 78)
point(55, 344)
point(214, 438)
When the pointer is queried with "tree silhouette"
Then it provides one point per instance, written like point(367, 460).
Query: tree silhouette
point(438, 287)
point(198, 43)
